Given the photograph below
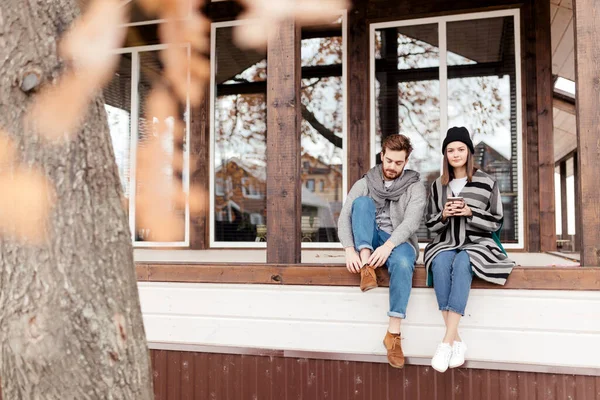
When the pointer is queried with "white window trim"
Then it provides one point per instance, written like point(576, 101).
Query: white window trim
point(246, 184)
point(323, 245)
point(134, 118)
point(442, 21)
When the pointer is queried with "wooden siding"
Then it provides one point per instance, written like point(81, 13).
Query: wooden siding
point(187, 375)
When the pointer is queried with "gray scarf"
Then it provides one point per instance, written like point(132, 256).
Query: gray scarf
point(380, 194)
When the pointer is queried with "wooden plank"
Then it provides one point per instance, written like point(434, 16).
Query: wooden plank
point(545, 90)
point(568, 68)
point(543, 278)
point(560, 22)
point(564, 105)
point(587, 54)
point(563, 200)
point(563, 48)
point(187, 375)
point(173, 375)
point(585, 388)
point(201, 369)
point(284, 206)
point(359, 93)
point(159, 374)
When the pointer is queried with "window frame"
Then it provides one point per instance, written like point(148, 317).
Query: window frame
point(133, 144)
point(441, 22)
point(212, 243)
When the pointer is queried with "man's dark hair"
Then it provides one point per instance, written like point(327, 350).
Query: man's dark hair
point(397, 143)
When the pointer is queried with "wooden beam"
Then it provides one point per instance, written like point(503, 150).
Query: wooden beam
point(587, 80)
point(394, 10)
point(536, 278)
point(284, 206)
point(564, 104)
point(545, 128)
point(199, 171)
point(359, 93)
point(532, 201)
point(222, 10)
point(563, 200)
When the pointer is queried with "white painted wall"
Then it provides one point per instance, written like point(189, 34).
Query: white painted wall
point(505, 329)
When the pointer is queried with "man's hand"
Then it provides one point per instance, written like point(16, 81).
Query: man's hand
point(353, 263)
point(381, 254)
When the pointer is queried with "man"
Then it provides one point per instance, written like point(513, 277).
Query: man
point(377, 227)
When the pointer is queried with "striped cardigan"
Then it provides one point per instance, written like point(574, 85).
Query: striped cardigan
point(472, 234)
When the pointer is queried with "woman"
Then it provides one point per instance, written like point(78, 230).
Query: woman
point(464, 210)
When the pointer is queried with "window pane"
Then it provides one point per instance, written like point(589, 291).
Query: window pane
point(408, 96)
point(240, 128)
point(482, 97)
point(173, 144)
point(322, 133)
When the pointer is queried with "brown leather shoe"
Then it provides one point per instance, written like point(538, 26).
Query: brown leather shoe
point(368, 279)
point(395, 355)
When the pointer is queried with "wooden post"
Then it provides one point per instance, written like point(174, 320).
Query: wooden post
point(577, 246)
point(359, 92)
point(587, 54)
point(563, 199)
point(284, 203)
point(199, 167)
point(545, 128)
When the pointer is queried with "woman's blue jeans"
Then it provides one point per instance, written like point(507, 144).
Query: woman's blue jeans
point(401, 262)
point(452, 277)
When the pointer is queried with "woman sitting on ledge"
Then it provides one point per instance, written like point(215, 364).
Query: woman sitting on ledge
point(464, 210)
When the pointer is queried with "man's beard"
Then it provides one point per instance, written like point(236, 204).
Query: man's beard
point(394, 174)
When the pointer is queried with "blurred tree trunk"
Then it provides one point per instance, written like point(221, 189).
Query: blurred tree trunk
point(70, 319)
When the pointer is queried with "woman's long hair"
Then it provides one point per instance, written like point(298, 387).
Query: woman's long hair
point(448, 170)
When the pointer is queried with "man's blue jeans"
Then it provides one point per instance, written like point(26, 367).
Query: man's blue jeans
point(401, 262)
point(452, 277)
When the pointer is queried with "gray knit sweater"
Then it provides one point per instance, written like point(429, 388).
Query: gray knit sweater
point(406, 214)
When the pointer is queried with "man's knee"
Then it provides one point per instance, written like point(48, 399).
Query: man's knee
point(402, 265)
point(363, 203)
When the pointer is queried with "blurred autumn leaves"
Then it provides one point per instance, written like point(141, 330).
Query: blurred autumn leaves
point(59, 108)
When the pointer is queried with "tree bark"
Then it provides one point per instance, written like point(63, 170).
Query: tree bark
point(70, 318)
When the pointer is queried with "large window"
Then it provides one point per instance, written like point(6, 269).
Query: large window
point(238, 137)
point(435, 73)
point(131, 127)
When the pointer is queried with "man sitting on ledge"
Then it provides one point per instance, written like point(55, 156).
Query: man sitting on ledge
point(377, 226)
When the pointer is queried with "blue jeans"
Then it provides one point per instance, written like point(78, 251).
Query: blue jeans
point(401, 262)
point(452, 276)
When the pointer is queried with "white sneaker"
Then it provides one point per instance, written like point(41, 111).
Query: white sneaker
point(440, 360)
point(458, 354)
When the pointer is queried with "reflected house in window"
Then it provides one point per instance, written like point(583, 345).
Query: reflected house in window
point(239, 200)
point(240, 203)
point(326, 181)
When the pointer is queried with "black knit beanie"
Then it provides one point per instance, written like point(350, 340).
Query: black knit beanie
point(458, 134)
